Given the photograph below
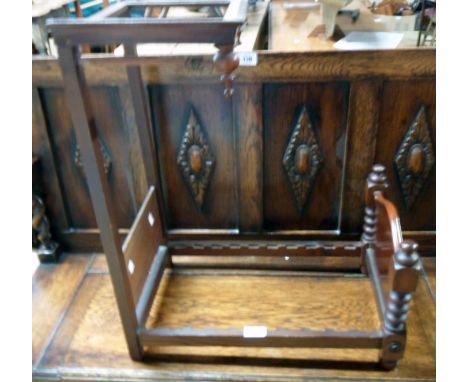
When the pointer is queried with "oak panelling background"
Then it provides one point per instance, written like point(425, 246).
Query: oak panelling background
point(401, 101)
point(111, 130)
point(171, 106)
point(362, 89)
point(49, 180)
point(327, 107)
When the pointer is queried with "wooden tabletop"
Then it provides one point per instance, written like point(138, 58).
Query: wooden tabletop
point(77, 333)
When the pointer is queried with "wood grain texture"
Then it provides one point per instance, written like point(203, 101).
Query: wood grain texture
point(327, 108)
point(171, 107)
point(276, 302)
point(109, 120)
point(402, 101)
point(90, 345)
point(248, 125)
point(362, 132)
point(51, 296)
point(141, 244)
point(307, 66)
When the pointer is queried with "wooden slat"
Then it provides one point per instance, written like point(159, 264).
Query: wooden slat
point(89, 31)
point(276, 338)
point(304, 248)
point(141, 244)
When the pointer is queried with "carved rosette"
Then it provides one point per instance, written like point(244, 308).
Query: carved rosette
point(105, 155)
point(302, 159)
point(195, 160)
point(415, 158)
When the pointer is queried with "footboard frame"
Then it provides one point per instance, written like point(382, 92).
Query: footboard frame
point(137, 268)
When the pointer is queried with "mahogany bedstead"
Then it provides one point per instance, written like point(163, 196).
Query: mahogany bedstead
point(137, 266)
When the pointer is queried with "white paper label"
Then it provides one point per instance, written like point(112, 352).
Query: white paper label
point(248, 59)
point(255, 331)
point(151, 219)
point(131, 266)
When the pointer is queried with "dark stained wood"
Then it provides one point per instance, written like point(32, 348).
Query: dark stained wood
point(141, 244)
point(272, 66)
point(109, 120)
point(49, 179)
point(327, 109)
point(372, 80)
point(276, 338)
point(402, 100)
point(172, 106)
point(248, 125)
point(360, 154)
point(79, 101)
point(155, 274)
point(319, 263)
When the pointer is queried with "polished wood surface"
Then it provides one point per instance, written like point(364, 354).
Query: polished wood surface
point(352, 99)
point(85, 340)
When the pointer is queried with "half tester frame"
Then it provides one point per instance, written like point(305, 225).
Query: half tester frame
point(138, 266)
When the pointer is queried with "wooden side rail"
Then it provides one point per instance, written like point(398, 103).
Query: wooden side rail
point(272, 338)
point(145, 255)
point(392, 263)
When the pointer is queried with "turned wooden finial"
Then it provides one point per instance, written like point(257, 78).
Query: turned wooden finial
point(403, 274)
point(376, 181)
point(225, 62)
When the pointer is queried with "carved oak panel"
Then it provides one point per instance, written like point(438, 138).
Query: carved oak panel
point(195, 160)
point(195, 139)
point(406, 145)
point(415, 158)
point(110, 124)
point(302, 159)
point(305, 131)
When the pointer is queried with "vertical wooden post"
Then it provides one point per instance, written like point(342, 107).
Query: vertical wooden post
point(376, 181)
point(403, 278)
point(145, 133)
point(79, 102)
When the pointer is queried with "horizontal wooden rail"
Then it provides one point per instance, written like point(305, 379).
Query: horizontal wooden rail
point(144, 30)
point(106, 69)
point(263, 248)
point(274, 338)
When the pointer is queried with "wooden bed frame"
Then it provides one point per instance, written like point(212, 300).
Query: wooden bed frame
point(138, 266)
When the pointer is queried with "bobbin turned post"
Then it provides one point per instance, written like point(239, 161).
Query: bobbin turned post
point(376, 181)
point(403, 278)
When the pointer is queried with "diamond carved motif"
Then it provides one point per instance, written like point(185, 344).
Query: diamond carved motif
point(415, 158)
point(302, 159)
point(195, 160)
point(105, 156)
